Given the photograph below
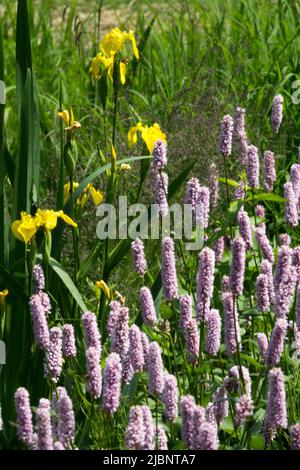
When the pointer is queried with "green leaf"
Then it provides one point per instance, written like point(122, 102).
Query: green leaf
point(257, 442)
point(229, 181)
point(69, 284)
point(23, 50)
point(267, 197)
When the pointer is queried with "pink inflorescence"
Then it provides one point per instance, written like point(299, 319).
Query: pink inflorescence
point(54, 359)
point(218, 248)
point(146, 345)
point(192, 340)
point(115, 307)
point(112, 383)
point(148, 428)
point(284, 239)
point(213, 185)
point(38, 279)
point(40, 325)
point(159, 153)
point(135, 436)
point(266, 268)
point(93, 377)
point(295, 436)
point(127, 369)
point(147, 306)
point(237, 270)
point(136, 348)
point(168, 273)
point(120, 337)
point(139, 259)
point(263, 344)
point(276, 344)
point(161, 193)
point(241, 134)
point(231, 324)
point(243, 410)
point(264, 244)
point(170, 397)
point(262, 293)
point(68, 341)
point(161, 439)
point(155, 370)
point(226, 135)
point(208, 437)
point(92, 335)
point(252, 168)
point(291, 210)
point(276, 414)
point(44, 430)
point(24, 416)
point(198, 418)
point(295, 180)
point(205, 283)
point(187, 411)
point(213, 332)
point(276, 115)
point(185, 304)
point(285, 291)
point(245, 227)
point(203, 206)
point(269, 170)
point(239, 192)
point(64, 424)
point(191, 195)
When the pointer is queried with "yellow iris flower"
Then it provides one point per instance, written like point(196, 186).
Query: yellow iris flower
point(47, 219)
point(68, 118)
point(114, 41)
point(26, 228)
point(111, 44)
point(96, 196)
point(149, 135)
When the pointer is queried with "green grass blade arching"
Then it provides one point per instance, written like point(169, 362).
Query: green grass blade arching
point(23, 50)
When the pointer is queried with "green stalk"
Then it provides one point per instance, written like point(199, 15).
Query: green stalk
point(2, 163)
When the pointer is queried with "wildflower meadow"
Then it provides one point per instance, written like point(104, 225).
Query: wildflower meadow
point(149, 225)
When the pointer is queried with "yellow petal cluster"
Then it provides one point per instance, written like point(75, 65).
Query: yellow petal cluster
point(24, 229)
point(97, 196)
point(149, 135)
point(110, 46)
point(68, 118)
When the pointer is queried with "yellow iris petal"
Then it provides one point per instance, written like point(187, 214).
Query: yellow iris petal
point(67, 190)
point(104, 287)
point(97, 196)
point(112, 42)
point(66, 218)
point(64, 115)
point(94, 69)
point(151, 134)
point(25, 228)
point(15, 230)
point(122, 72)
point(132, 134)
point(46, 218)
point(131, 37)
